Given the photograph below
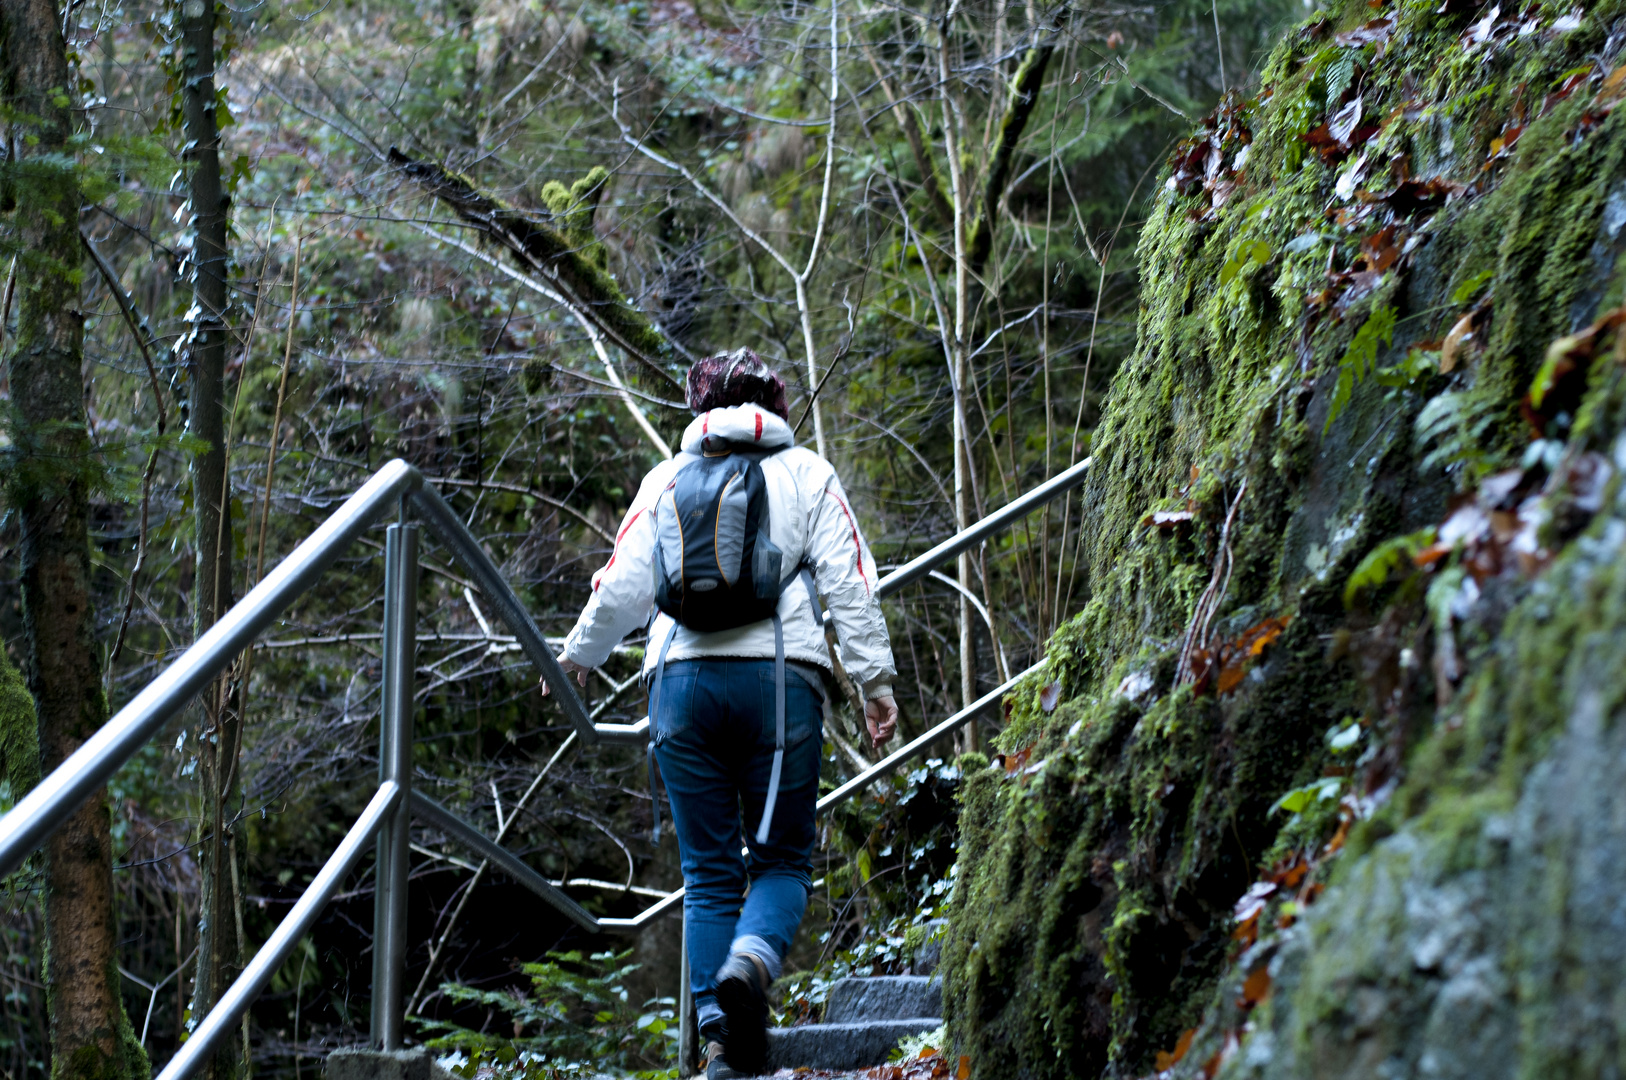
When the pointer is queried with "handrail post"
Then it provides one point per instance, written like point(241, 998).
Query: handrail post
point(688, 1057)
point(395, 763)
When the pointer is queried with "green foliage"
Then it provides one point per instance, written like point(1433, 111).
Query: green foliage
point(1340, 74)
point(1465, 292)
point(575, 1020)
point(1255, 254)
point(1452, 428)
point(1296, 800)
point(1373, 571)
point(19, 733)
point(1360, 359)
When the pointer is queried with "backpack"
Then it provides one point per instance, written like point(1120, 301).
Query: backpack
point(716, 569)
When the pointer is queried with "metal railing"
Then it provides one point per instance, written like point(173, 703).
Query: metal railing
point(388, 815)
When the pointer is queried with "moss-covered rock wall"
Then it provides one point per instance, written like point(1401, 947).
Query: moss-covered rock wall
point(1332, 783)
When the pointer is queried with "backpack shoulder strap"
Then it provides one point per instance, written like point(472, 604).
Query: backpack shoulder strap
point(654, 707)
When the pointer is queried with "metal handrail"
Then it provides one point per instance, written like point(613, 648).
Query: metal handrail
point(1019, 507)
point(53, 799)
point(222, 1019)
point(470, 837)
point(386, 818)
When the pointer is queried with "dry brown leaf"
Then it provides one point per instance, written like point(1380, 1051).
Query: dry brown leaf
point(1461, 332)
point(1256, 987)
point(1168, 1059)
point(1167, 519)
point(1376, 30)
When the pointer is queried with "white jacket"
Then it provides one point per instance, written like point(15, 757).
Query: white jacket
point(809, 518)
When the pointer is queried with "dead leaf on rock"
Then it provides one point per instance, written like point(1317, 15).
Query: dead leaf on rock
point(1213, 1065)
point(1341, 125)
point(1460, 334)
point(1016, 761)
point(1253, 901)
point(1168, 1059)
point(1481, 31)
point(1376, 30)
point(1050, 695)
point(1167, 519)
point(1380, 249)
point(1566, 88)
point(1256, 987)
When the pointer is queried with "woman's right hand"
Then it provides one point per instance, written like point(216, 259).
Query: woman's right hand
point(569, 666)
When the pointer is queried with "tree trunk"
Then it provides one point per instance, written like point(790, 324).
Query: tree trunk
point(204, 352)
point(49, 489)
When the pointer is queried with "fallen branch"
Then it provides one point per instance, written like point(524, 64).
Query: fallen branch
point(587, 289)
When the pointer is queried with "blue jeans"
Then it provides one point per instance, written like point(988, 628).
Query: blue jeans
point(714, 742)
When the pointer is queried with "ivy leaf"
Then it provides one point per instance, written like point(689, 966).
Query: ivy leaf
point(1340, 740)
point(1300, 798)
point(1255, 254)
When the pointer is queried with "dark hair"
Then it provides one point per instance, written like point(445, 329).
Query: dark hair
point(736, 378)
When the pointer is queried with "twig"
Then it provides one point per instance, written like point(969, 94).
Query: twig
point(799, 277)
point(1208, 603)
point(588, 327)
point(524, 800)
point(146, 342)
point(276, 416)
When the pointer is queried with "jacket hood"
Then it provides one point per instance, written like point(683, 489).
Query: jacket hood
point(747, 424)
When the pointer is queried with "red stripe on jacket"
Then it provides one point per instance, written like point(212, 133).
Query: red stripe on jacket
point(858, 548)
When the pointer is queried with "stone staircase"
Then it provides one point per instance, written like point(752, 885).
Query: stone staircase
point(864, 1017)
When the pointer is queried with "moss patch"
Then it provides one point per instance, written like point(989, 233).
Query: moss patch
point(1097, 885)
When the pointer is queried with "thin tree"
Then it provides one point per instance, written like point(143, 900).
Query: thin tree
point(204, 353)
point(54, 471)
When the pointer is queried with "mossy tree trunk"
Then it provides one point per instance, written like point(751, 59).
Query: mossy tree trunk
point(204, 352)
point(53, 471)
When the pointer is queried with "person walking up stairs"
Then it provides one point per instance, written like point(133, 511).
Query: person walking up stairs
point(731, 543)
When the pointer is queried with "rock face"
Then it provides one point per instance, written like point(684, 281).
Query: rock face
point(1484, 939)
point(1335, 785)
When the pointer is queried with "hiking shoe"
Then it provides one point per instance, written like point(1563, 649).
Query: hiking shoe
point(716, 1067)
point(742, 994)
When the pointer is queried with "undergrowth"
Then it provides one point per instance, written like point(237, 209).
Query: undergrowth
point(575, 1021)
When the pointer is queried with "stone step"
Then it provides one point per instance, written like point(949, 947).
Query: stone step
point(860, 999)
point(842, 1045)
